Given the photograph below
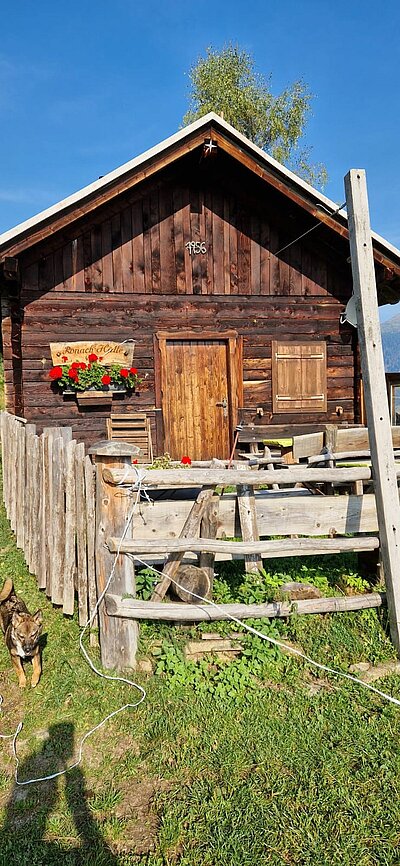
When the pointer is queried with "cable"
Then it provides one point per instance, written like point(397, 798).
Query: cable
point(319, 223)
point(274, 641)
point(138, 489)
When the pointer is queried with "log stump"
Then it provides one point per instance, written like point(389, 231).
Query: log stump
point(191, 579)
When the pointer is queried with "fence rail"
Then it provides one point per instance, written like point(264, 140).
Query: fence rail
point(71, 514)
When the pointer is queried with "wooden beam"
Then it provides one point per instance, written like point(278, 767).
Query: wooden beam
point(287, 547)
point(227, 477)
point(132, 608)
point(376, 404)
point(190, 527)
point(209, 529)
point(278, 513)
point(248, 524)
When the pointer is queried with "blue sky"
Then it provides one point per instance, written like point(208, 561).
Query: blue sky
point(85, 86)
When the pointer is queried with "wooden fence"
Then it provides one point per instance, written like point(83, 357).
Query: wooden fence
point(49, 495)
point(69, 512)
point(197, 528)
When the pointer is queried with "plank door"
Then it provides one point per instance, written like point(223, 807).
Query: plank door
point(196, 402)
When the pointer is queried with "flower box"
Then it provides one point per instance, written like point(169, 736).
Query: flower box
point(87, 399)
point(92, 382)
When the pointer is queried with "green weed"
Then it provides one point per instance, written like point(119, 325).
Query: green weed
point(258, 761)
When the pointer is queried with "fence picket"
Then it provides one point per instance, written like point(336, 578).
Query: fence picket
point(58, 521)
point(90, 500)
point(20, 504)
point(47, 448)
point(35, 510)
point(70, 529)
point(4, 457)
point(81, 535)
point(49, 495)
point(13, 463)
point(30, 431)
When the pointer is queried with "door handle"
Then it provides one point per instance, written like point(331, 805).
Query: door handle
point(224, 404)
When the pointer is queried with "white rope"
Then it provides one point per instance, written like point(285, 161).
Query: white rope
point(137, 488)
point(281, 644)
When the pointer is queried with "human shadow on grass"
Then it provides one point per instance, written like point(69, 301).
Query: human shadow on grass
point(22, 837)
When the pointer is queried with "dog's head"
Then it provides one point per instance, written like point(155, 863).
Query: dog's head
point(26, 629)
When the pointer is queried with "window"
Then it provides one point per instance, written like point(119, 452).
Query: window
point(298, 377)
point(393, 388)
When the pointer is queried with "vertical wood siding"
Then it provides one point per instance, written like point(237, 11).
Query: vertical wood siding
point(142, 248)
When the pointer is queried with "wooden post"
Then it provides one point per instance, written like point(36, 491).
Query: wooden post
point(190, 528)
point(331, 437)
point(118, 638)
point(248, 524)
point(269, 465)
point(209, 529)
point(376, 404)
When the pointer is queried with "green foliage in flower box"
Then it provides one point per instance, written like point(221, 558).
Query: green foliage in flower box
point(92, 375)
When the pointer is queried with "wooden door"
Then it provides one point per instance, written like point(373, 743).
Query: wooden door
point(196, 398)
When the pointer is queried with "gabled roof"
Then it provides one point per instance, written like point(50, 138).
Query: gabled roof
point(73, 207)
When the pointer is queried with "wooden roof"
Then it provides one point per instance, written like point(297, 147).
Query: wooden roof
point(65, 212)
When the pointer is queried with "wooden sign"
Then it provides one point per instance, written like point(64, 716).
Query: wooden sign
point(107, 352)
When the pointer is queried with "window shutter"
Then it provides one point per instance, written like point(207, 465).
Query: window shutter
point(299, 377)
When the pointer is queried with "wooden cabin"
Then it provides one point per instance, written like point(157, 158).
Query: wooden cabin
point(190, 250)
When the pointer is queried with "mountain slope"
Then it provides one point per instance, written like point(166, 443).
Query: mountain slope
point(391, 344)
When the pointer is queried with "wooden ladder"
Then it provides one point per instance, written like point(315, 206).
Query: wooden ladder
point(135, 429)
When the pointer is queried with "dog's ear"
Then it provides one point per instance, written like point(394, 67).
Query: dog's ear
point(38, 617)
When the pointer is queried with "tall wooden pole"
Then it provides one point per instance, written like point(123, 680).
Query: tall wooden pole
point(376, 403)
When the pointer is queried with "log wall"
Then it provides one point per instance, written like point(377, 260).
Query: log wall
point(125, 273)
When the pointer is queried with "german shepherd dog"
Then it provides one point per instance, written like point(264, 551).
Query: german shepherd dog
point(21, 633)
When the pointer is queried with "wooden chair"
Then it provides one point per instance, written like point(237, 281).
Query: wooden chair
point(135, 429)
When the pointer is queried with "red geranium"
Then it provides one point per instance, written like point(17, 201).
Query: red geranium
point(124, 373)
point(134, 461)
point(73, 373)
point(55, 373)
point(92, 357)
point(75, 365)
point(82, 366)
point(133, 371)
point(186, 461)
point(106, 379)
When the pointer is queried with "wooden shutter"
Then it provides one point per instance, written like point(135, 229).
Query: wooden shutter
point(298, 377)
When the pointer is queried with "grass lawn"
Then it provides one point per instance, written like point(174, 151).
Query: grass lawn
point(259, 761)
